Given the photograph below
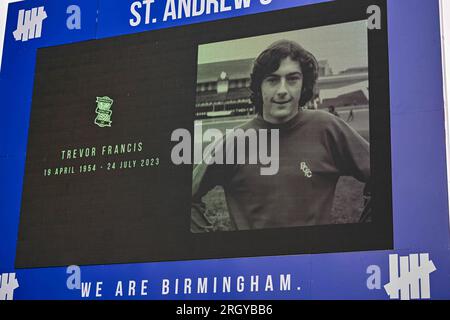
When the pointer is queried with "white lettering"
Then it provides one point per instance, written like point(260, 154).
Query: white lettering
point(170, 10)
point(165, 286)
point(137, 17)
point(98, 289)
point(85, 289)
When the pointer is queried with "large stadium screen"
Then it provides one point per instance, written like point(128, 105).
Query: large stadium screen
point(161, 141)
point(249, 149)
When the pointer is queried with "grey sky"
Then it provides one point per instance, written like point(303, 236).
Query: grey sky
point(343, 45)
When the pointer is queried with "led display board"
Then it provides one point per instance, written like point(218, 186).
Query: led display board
point(223, 150)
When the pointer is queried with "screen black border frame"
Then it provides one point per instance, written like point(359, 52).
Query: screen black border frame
point(374, 235)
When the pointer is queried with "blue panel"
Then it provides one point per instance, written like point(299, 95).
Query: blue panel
point(344, 276)
point(114, 16)
point(417, 126)
point(54, 27)
point(419, 180)
point(295, 268)
point(326, 276)
point(11, 173)
point(331, 276)
point(415, 56)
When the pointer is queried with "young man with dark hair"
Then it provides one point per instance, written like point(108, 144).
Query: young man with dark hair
point(315, 149)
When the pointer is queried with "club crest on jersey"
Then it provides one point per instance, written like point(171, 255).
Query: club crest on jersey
point(304, 168)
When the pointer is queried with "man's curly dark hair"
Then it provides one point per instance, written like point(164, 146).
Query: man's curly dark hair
point(269, 61)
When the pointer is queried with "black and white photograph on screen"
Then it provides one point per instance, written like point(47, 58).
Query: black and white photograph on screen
point(312, 85)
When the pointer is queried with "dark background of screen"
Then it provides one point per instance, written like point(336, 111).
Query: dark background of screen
point(144, 215)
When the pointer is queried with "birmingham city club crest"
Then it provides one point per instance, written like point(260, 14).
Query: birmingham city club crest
point(103, 111)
